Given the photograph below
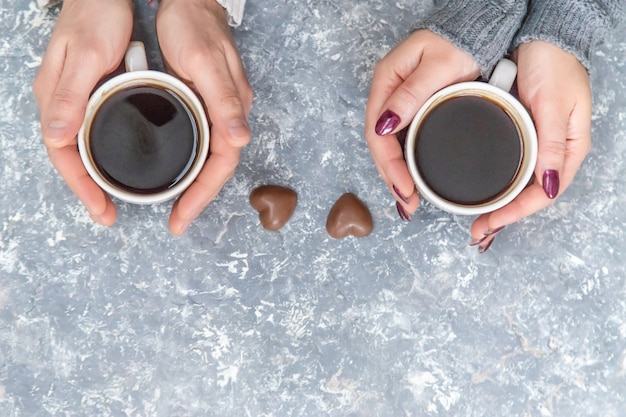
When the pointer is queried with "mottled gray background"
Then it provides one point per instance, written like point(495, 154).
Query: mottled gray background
point(232, 320)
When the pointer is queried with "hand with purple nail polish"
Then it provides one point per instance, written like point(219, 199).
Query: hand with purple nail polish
point(403, 80)
point(555, 87)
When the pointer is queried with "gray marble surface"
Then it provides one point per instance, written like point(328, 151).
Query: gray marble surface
point(232, 320)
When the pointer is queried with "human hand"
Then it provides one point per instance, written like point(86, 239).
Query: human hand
point(88, 42)
point(555, 87)
point(410, 73)
point(197, 45)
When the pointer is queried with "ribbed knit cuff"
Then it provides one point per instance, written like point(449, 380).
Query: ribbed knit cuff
point(575, 26)
point(234, 8)
point(483, 29)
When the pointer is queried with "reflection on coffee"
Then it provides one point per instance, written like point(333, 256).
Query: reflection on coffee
point(468, 150)
point(143, 139)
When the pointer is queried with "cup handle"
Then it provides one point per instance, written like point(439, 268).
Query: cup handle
point(504, 74)
point(135, 58)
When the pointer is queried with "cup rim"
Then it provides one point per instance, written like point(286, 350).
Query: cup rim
point(527, 132)
point(135, 79)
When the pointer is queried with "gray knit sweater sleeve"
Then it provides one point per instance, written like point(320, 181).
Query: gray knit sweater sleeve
point(576, 26)
point(482, 28)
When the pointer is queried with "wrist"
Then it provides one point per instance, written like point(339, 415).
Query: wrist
point(72, 3)
point(212, 5)
point(575, 27)
point(483, 32)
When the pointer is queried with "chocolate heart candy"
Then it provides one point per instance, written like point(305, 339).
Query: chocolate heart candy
point(275, 205)
point(349, 216)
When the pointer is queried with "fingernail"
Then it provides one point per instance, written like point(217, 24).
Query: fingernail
point(485, 247)
point(239, 130)
point(486, 235)
point(402, 212)
point(494, 231)
point(387, 122)
point(55, 130)
point(551, 183)
point(478, 241)
point(399, 194)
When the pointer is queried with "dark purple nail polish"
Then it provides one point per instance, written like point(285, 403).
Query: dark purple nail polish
point(402, 212)
point(485, 247)
point(494, 231)
point(551, 183)
point(486, 235)
point(387, 122)
point(478, 241)
point(399, 194)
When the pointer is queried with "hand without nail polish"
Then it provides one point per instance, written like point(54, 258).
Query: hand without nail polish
point(239, 130)
point(55, 130)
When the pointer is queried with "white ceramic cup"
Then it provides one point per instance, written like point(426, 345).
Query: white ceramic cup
point(137, 74)
point(496, 91)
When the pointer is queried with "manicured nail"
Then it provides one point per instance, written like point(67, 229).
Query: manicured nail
point(494, 231)
point(387, 122)
point(55, 130)
point(485, 247)
point(478, 241)
point(399, 194)
point(486, 235)
point(239, 130)
point(551, 183)
point(402, 212)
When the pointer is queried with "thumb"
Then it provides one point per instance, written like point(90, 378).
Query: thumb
point(225, 105)
point(551, 119)
point(66, 108)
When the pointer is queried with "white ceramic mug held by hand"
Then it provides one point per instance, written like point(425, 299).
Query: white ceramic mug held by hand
point(497, 91)
point(137, 75)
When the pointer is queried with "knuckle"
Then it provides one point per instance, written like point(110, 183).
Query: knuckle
point(92, 53)
point(554, 147)
point(406, 94)
point(63, 99)
point(230, 100)
point(99, 55)
point(203, 56)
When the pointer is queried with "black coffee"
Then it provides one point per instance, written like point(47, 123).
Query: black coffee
point(468, 150)
point(143, 139)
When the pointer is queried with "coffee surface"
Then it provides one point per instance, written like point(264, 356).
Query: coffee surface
point(468, 150)
point(143, 139)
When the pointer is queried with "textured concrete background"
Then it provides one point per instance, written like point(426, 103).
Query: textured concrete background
point(232, 320)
